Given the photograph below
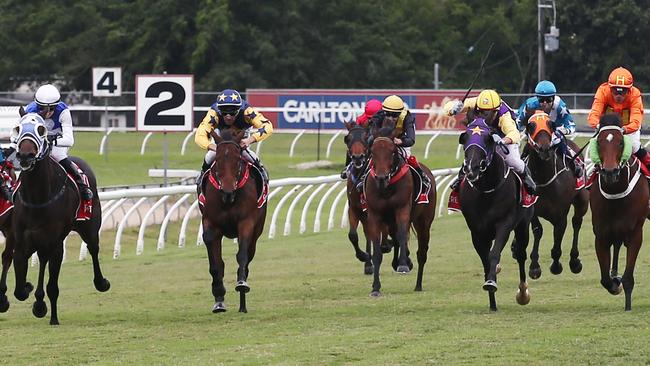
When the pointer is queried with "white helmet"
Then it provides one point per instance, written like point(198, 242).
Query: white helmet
point(47, 95)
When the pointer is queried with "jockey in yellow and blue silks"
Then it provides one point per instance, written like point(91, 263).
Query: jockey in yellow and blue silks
point(231, 111)
point(58, 120)
point(547, 100)
point(501, 118)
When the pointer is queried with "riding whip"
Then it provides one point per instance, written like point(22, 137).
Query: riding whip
point(480, 70)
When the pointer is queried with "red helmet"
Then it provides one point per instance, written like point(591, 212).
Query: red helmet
point(620, 78)
point(372, 106)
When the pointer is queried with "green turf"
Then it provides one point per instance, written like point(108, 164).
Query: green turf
point(309, 304)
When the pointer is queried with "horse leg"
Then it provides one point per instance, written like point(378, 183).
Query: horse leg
point(53, 283)
point(633, 247)
point(494, 257)
point(604, 257)
point(353, 236)
point(535, 271)
point(580, 206)
point(242, 286)
point(521, 242)
point(402, 218)
point(482, 248)
point(7, 256)
point(377, 255)
point(367, 267)
point(212, 240)
point(23, 288)
point(90, 235)
point(422, 230)
point(39, 309)
point(614, 270)
point(559, 228)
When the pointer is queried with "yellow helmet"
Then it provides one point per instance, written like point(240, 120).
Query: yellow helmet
point(488, 99)
point(392, 103)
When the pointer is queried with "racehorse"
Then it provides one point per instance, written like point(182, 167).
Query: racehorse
point(45, 206)
point(390, 191)
point(555, 181)
point(232, 210)
point(490, 204)
point(7, 256)
point(619, 204)
point(357, 143)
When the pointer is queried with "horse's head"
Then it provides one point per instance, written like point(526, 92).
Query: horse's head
point(384, 156)
point(229, 164)
point(610, 143)
point(479, 148)
point(540, 134)
point(357, 143)
point(30, 136)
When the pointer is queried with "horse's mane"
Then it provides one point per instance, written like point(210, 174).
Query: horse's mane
point(610, 119)
point(385, 132)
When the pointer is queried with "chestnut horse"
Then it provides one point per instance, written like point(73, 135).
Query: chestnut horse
point(44, 213)
point(555, 181)
point(231, 210)
point(619, 204)
point(489, 202)
point(390, 191)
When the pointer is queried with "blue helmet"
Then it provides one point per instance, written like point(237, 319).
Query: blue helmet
point(229, 98)
point(545, 88)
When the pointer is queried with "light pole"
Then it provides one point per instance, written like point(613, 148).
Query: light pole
point(545, 41)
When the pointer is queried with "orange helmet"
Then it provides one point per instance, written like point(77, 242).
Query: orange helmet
point(620, 78)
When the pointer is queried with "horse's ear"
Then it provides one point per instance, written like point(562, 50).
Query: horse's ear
point(239, 135)
point(348, 125)
point(462, 138)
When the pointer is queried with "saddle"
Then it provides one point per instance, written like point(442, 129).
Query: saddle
point(524, 198)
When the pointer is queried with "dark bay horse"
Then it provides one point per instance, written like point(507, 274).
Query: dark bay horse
point(555, 181)
point(619, 205)
point(45, 206)
point(357, 143)
point(232, 210)
point(489, 202)
point(390, 191)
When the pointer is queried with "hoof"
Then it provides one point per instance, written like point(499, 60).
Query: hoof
point(102, 285)
point(576, 265)
point(498, 270)
point(490, 286)
point(535, 273)
point(243, 310)
point(219, 307)
point(4, 304)
point(375, 294)
point(242, 286)
point(523, 296)
point(39, 309)
point(54, 321)
point(363, 256)
point(617, 286)
point(368, 269)
point(556, 267)
point(386, 248)
point(417, 288)
point(403, 269)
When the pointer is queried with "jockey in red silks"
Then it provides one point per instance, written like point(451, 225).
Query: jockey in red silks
point(372, 106)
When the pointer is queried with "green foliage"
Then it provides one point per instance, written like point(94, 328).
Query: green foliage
point(308, 44)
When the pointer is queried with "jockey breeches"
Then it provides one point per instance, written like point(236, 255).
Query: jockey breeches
point(636, 140)
point(404, 151)
point(59, 153)
point(512, 158)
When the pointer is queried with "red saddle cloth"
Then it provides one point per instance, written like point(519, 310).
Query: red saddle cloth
point(526, 199)
point(5, 205)
point(85, 209)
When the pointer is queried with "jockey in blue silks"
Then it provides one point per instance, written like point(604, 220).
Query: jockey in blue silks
point(58, 120)
point(547, 100)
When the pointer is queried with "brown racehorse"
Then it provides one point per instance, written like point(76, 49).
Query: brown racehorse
point(390, 193)
point(490, 205)
point(555, 181)
point(357, 143)
point(44, 213)
point(231, 210)
point(619, 205)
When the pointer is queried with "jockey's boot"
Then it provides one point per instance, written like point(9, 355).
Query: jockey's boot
point(644, 157)
point(204, 168)
point(260, 166)
point(84, 190)
point(6, 192)
point(577, 166)
point(426, 182)
point(344, 172)
point(529, 183)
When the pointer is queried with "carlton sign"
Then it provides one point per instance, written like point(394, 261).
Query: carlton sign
point(329, 108)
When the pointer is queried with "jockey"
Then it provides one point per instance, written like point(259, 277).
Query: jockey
point(372, 106)
point(394, 111)
point(58, 120)
point(501, 118)
point(619, 96)
point(546, 100)
point(231, 111)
